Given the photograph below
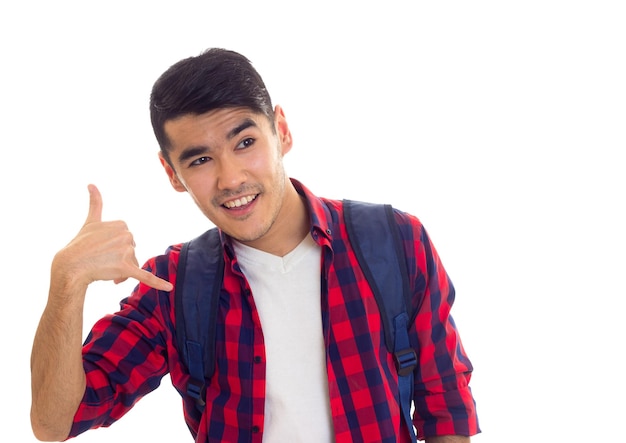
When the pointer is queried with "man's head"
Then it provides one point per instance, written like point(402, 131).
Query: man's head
point(216, 79)
point(223, 144)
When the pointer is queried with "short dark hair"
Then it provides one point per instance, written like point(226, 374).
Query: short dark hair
point(215, 79)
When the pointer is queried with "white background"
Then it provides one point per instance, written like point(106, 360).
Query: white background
point(500, 124)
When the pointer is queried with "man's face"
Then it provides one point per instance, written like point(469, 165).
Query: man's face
point(230, 162)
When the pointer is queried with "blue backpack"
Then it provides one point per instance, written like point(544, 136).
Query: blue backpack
point(376, 241)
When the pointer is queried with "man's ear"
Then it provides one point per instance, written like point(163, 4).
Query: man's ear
point(282, 129)
point(171, 174)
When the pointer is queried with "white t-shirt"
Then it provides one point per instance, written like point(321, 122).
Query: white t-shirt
point(286, 292)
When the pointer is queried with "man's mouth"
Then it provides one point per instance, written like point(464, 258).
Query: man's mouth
point(241, 201)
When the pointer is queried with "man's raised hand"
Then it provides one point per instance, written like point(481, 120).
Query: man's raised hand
point(104, 251)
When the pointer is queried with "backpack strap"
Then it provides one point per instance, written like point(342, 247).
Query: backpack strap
point(375, 238)
point(198, 284)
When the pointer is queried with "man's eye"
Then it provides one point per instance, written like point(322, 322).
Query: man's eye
point(200, 161)
point(246, 143)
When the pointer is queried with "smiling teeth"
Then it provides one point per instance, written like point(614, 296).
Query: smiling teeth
point(240, 201)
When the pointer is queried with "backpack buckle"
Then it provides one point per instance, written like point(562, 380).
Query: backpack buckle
point(196, 390)
point(406, 361)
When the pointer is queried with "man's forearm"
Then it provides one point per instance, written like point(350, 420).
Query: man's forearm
point(57, 374)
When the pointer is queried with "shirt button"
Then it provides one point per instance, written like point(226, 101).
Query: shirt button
point(257, 359)
point(328, 231)
point(255, 429)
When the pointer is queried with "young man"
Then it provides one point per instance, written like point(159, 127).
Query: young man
point(300, 352)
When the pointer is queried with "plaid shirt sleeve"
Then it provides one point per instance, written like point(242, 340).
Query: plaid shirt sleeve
point(444, 404)
point(125, 354)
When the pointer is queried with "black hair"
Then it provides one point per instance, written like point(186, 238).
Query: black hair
point(215, 79)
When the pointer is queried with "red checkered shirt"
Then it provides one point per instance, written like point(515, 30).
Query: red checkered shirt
point(127, 353)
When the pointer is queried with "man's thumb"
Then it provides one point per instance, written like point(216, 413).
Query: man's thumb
point(95, 205)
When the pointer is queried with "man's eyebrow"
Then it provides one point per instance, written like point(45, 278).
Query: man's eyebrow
point(192, 152)
point(247, 123)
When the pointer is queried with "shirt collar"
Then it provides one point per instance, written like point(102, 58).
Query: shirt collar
point(320, 216)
